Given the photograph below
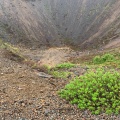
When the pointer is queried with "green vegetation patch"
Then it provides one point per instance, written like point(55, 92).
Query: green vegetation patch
point(60, 74)
point(66, 65)
point(104, 58)
point(11, 52)
point(97, 91)
point(8, 47)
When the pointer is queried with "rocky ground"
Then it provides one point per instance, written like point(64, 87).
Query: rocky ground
point(26, 96)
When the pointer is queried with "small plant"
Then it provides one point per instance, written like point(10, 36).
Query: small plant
point(60, 74)
point(96, 91)
point(108, 57)
point(97, 60)
point(104, 58)
point(65, 65)
point(11, 52)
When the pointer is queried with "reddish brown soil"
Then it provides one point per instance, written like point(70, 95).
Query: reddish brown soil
point(26, 96)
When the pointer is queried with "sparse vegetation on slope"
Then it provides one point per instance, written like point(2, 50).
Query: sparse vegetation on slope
point(94, 90)
point(98, 90)
point(11, 51)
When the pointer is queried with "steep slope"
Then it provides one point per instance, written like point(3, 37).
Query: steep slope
point(84, 23)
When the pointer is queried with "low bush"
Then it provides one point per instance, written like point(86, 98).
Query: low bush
point(60, 74)
point(96, 91)
point(65, 65)
point(104, 58)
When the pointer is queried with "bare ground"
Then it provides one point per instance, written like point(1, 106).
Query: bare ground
point(113, 44)
point(26, 96)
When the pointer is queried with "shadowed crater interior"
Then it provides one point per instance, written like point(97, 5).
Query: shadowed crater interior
point(82, 23)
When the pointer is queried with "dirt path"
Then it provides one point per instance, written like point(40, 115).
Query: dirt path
point(26, 96)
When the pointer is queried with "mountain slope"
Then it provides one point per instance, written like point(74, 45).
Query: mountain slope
point(83, 23)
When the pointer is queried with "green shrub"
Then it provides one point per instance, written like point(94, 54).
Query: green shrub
point(107, 57)
point(60, 74)
point(96, 91)
point(97, 60)
point(65, 65)
point(104, 58)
